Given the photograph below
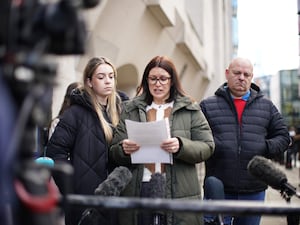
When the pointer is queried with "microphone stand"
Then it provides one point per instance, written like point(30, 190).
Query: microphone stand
point(157, 220)
point(214, 190)
point(287, 192)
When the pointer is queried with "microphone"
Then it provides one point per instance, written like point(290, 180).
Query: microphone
point(213, 188)
point(90, 3)
point(156, 189)
point(115, 183)
point(264, 170)
point(85, 4)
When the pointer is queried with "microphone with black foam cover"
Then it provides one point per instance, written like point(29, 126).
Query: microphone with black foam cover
point(267, 172)
point(157, 189)
point(157, 185)
point(115, 183)
point(90, 3)
point(213, 188)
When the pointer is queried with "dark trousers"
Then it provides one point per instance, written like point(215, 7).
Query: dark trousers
point(291, 158)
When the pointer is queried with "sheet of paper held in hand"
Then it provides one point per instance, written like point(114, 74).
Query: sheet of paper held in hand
point(149, 135)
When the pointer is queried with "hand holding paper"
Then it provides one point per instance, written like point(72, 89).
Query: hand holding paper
point(130, 146)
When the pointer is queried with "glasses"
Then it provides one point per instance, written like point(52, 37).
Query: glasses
point(162, 80)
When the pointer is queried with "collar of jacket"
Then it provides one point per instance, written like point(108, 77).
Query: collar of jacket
point(81, 97)
point(180, 102)
point(254, 90)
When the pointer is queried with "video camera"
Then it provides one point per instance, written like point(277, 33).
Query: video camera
point(29, 23)
point(30, 30)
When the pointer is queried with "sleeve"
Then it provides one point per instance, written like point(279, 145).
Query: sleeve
point(60, 146)
point(116, 153)
point(61, 142)
point(278, 138)
point(200, 146)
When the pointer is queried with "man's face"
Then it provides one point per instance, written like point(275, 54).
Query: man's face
point(239, 76)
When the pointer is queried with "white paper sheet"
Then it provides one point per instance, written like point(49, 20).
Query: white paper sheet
point(149, 135)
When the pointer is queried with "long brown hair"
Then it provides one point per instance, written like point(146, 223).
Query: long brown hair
point(67, 100)
point(165, 63)
point(113, 103)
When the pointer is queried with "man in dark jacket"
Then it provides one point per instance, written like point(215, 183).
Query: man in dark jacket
point(244, 124)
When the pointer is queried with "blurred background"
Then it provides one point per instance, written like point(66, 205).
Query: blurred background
point(201, 37)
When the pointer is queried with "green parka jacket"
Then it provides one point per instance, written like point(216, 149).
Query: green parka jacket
point(189, 125)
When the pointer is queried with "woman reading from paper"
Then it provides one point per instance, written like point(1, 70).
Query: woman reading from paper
point(190, 142)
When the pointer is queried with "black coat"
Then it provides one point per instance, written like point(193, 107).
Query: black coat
point(79, 139)
point(263, 132)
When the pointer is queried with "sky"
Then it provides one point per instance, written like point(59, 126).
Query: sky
point(268, 34)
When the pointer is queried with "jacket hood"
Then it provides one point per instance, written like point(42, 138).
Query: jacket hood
point(80, 97)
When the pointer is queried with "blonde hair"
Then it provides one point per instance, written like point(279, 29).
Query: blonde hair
point(113, 103)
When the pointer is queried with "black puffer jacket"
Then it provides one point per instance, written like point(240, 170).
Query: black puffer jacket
point(79, 137)
point(263, 132)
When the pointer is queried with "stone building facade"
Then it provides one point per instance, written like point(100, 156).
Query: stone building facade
point(195, 34)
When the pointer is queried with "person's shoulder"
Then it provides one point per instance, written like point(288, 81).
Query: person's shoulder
point(186, 102)
point(123, 95)
point(133, 104)
point(75, 112)
point(193, 105)
point(209, 99)
point(263, 99)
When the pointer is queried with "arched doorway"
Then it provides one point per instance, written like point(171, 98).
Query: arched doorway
point(128, 79)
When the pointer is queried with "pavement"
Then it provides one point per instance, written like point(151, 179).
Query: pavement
point(274, 196)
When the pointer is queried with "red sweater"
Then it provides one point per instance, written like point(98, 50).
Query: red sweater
point(239, 106)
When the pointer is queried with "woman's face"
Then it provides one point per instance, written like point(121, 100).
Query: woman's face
point(159, 82)
point(103, 82)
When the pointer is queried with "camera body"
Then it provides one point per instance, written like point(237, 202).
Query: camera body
point(29, 30)
point(55, 28)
